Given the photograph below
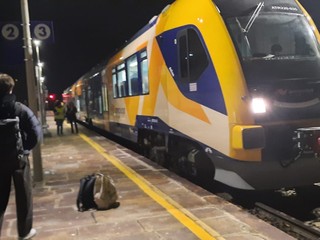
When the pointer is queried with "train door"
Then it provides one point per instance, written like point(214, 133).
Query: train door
point(195, 92)
point(96, 105)
point(80, 99)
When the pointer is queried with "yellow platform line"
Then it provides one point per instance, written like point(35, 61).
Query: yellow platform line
point(194, 224)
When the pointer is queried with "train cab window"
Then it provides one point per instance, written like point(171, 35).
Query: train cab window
point(132, 70)
point(121, 80)
point(144, 72)
point(193, 59)
point(276, 36)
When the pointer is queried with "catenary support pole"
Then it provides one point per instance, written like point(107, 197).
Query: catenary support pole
point(30, 76)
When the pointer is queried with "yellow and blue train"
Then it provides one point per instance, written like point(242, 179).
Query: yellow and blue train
point(228, 89)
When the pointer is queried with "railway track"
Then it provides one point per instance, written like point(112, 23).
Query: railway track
point(286, 223)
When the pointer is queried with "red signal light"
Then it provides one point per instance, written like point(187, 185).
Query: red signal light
point(52, 97)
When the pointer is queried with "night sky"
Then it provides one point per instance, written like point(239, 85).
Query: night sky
point(85, 33)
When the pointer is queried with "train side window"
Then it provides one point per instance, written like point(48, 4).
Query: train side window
point(144, 72)
point(83, 98)
point(183, 56)
point(104, 91)
point(132, 70)
point(114, 83)
point(105, 97)
point(130, 78)
point(193, 59)
point(121, 80)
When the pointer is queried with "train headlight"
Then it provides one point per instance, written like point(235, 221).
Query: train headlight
point(258, 105)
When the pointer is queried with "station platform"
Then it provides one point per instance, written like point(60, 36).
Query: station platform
point(154, 202)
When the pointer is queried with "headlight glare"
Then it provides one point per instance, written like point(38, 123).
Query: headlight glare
point(258, 105)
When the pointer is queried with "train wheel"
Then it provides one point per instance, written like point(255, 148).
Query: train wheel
point(153, 146)
point(203, 169)
point(191, 162)
point(158, 155)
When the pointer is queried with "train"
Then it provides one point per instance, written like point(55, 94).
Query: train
point(225, 89)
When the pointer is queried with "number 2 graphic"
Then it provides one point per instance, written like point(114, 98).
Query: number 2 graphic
point(10, 32)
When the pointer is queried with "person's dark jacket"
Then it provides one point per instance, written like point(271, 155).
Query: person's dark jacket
point(71, 113)
point(29, 125)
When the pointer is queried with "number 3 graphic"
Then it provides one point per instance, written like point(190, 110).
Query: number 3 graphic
point(42, 31)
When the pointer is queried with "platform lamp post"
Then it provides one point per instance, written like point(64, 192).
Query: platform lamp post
point(28, 55)
point(40, 78)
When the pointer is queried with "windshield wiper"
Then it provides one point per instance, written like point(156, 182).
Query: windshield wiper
point(253, 17)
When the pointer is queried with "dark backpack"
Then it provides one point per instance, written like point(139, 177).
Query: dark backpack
point(97, 191)
point(11, 140)
point(85, 196)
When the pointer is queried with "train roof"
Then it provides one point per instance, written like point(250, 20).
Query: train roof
point(150, 24)
point(101, 65)
point(233, 8)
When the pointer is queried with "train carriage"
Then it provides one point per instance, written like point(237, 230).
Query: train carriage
point(228, 89)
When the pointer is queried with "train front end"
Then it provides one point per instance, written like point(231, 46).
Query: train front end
point(279, 51)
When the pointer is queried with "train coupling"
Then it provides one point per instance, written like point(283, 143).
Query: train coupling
point(307, 141)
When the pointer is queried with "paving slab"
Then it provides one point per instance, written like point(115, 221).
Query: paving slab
point(68, 158)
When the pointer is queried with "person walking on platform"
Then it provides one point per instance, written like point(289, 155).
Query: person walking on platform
point(14, 163)
point(59, 115)
point(72, 116)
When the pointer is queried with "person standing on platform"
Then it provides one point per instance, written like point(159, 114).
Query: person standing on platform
point(59, 115)
point(72, 116)
point(14, 163)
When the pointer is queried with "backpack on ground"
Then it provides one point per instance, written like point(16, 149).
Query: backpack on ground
point(11, 140)
point(97, 191)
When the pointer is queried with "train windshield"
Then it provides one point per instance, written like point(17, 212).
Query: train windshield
point(273, 36)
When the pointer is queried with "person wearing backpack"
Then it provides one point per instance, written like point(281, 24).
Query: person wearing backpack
point(71, 115)
point(20, 132)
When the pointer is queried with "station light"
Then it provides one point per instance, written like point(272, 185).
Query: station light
point(36, 42)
